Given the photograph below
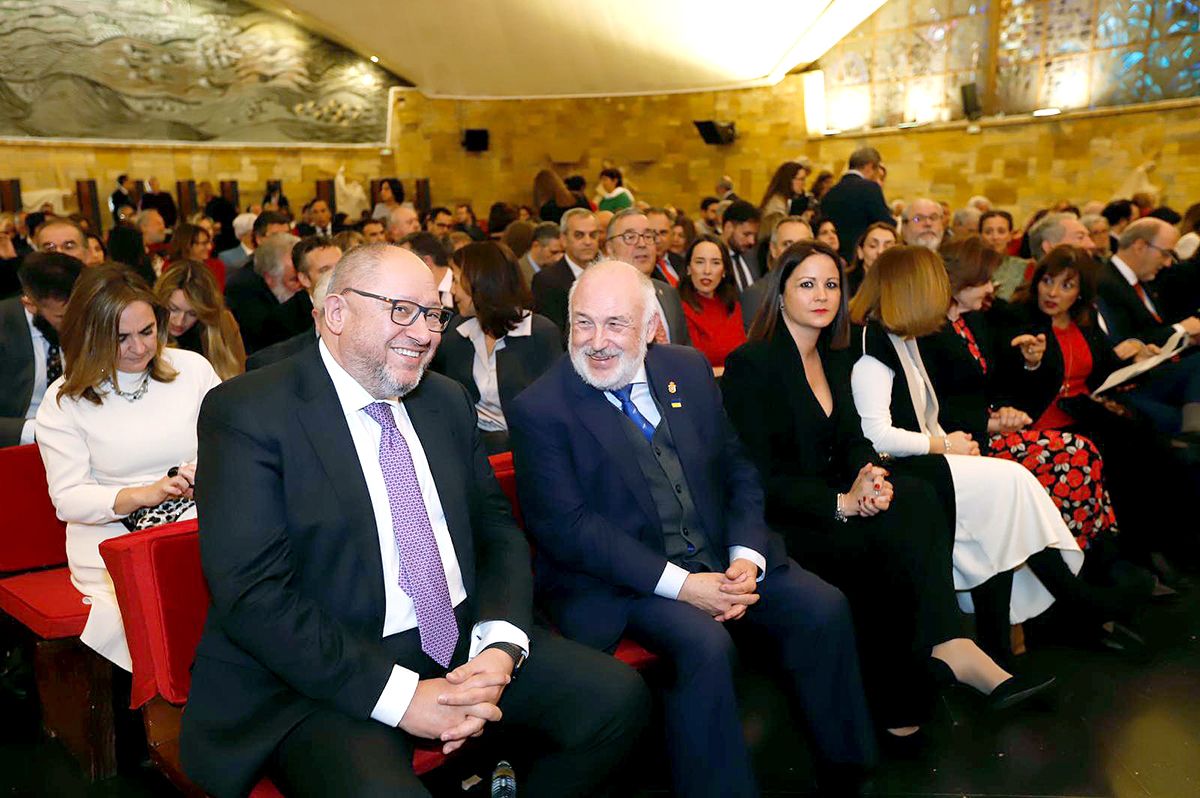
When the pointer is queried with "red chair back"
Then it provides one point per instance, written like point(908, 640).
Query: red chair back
point(506, 475)
point(32, 535)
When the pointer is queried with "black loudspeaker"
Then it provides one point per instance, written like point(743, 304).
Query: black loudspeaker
point(716, 132)
point(475, 140)
point(970, 100)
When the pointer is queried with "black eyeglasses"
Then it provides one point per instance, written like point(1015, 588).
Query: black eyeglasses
point(405, 313)
point(631, 237)
point(1169, 254)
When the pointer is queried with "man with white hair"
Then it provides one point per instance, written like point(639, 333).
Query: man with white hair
point(1058, 228)
point(648, 519)
point(788, 231)
point(243, 228)
point(254, 295)
point(153, 229)
point(402, 221)
point(965, 223)
point(980, 203)
point(924, 224)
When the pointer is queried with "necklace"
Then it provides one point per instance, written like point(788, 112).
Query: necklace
point(134, 395)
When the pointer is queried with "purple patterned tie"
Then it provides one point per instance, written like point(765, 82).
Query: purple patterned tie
point(422, 576)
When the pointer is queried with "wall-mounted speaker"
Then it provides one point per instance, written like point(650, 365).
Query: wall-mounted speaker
point(716, 132)
point(970, 100)
point(475, 140)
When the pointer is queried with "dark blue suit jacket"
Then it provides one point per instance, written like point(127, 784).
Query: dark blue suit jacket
point(598, 535)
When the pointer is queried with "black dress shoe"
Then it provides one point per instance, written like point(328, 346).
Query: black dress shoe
point(1121, 639)
point(1017, 689)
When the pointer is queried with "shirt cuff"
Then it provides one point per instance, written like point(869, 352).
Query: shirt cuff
point(487, 632)
point(396, 696)
point(671, 582)
point(1179, 328)
point(28, 431)
point(747, 553)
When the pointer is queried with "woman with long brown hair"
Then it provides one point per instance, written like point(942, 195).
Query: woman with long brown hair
point(199, 320)
point(117, 432)
point(195, 242)
point(787, 184)
point(552, 198)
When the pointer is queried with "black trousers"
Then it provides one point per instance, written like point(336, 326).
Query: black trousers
point(805, 623)
point(585, 707)
point(896, 570)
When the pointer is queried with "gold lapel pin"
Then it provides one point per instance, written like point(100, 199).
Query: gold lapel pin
point(671, 388)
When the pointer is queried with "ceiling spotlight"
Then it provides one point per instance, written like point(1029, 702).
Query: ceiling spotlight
point(374, 59)
point(1047, 112)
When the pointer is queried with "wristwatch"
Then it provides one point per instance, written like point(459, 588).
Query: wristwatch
point(514, 651)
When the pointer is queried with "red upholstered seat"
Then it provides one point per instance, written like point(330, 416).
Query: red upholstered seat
point(46, 602)
point(33, 536)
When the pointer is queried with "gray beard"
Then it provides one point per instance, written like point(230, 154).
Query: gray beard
point(624, 375)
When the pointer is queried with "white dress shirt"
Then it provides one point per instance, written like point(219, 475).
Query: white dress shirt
point(41, 352)
point(446, 289)
point(483, 370)
point(576, 269)
point(1132, 279)
point(400, 615)
point(673, 576)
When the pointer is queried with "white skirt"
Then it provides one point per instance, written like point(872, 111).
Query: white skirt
point(1002, 517)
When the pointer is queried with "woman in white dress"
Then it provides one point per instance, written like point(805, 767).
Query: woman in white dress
point(1004, 521)
point(122, 416)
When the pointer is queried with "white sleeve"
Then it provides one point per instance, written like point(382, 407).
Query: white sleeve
point(396, 696)
point(77, 497)
point(871, 384)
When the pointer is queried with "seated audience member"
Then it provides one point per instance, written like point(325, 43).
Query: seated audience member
point(162, 201)
point(524, 213)
point(821, 184)
point(1078, 358)
point(290, 346)
point(857, 199)
point(1189, 233)
point(787, 393)
point(500, 216)
point(458, 239)
point(438, 221)
point(349, 239)
point(498, 346)
point(580, 234)
point(786, 232)
point(667, 265)
point(648, 520)
point(430, 249)
point(1098, 230)
point(117, 432)
point(613, 195)
point(518, 237)
point(61, 235)
point(739, 232)
point(192, 242)
point(552, 198)
point(979, 203)
point(374, 231)
point(391, 197)
point(274, 198)
point(320, 221)
point(311, 257)
point(238, 256)
point(403, 221)
point(724, 189)
point(30, 349)
point(996, 232)
point(465, 221)
point(827, 233)
point(1126, 306)
point(964, 223)
point(94, 252)
point(1119, 214)
point(125, 246)
point(545, 250)
point(785, 186)
point(1057, 228)
point(153, 229)
point(198, 319)
point(876, 239)
point(924, 224)
point(709, 222)
point(631, 240)
point(1003, 517)
point(710, 302)
point(408, 604)
point(254, 295)
point(971, 369)
point(683, 233)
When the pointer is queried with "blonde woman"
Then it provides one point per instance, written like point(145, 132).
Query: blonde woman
point(117, 432)
point(198, 319)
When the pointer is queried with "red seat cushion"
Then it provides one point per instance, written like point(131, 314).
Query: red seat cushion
point(33, 536)
point(265, 789)
point(46, 602)
point(634, 655)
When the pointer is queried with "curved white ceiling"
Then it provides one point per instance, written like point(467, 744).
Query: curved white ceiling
point(546, 48)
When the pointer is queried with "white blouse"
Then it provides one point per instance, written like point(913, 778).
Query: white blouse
point(483, 370)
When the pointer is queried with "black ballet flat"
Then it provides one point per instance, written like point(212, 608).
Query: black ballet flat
point(1017, 690)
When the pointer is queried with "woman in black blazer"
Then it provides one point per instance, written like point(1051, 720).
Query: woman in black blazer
point(880, 538)
point(499, 346)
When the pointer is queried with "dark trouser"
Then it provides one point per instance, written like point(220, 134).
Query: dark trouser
point(587, 708)
point(805, 623)
point(1162, 393)
point(896, 570)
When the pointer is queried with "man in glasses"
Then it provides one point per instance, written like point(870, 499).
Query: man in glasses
point(581, 244)
point(632, 239)
point(369, 585)
point(924, 224)
point(60, 235)
point(1129, 308)
point(857, 200)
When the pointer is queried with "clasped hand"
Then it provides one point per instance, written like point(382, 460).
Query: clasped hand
point(1135, 349)
point(723, 596)
point(870, 494)
point(1007, 419)
point(458, 707)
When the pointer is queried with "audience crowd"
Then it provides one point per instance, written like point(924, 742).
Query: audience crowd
point(825, 423)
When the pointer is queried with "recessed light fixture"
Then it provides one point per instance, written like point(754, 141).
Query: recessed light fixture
point(1047, 112)
point(374, 59)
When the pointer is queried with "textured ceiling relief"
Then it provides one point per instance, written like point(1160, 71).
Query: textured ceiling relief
point(195, 70)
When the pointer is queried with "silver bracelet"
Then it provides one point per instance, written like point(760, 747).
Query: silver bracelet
point(838, 513)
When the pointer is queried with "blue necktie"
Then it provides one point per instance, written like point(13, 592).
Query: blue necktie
point(630, 410)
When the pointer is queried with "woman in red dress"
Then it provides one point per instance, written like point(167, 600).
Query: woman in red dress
point(194, 242)
point(710, 301)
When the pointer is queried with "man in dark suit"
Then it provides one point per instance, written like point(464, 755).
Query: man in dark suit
point(30, 356)
point(254, 296)
point(161, 201)
point(320, 221)
point(789, 230)
point(366, 573)
point(648, 519)
point(122, 196)
point(581, 244)
point(739, 231)
point(312, 257)
point(630, 239)
point(668, 266)
point(1144, 249)
point(857, 199)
